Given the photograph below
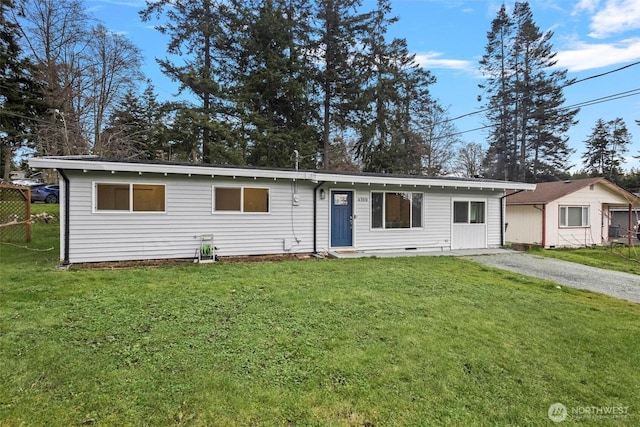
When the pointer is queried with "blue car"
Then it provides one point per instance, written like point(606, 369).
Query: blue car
point(48, 193)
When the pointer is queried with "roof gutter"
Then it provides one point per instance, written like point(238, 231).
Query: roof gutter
point(67, 193)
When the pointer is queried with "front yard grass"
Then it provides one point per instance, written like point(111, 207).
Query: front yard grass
point(618, 258)
point(362, 342)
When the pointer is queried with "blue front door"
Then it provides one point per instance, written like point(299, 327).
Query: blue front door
point(341, 218)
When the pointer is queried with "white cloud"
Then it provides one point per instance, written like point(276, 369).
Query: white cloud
point(588, 5)
point(129, 3)
point(431, 60)
point(584, 56)
point(616, 16)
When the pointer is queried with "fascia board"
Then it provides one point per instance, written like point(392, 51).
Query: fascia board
point(74, 164)
point(89, 165)
point(424, 182)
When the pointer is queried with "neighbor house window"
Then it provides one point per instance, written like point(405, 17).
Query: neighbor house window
point(130, 197)
point(465, 212)
point(240, 199)
point(396, 210)
point(574, 216)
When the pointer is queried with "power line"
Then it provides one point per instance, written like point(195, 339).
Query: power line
point(613, 97)
point(588, 103)
point(570, 83)
point(604, 74)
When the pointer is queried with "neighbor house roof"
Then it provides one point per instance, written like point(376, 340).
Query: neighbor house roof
point(546, 192)
point(89, 163)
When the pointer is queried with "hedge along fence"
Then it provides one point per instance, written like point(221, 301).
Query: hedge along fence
point(15, 213)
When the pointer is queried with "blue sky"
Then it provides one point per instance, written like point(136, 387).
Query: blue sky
point(591, 37)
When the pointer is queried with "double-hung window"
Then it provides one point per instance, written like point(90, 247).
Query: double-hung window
point(396, 210)
point(241, 199)
point(574, 216)
point(129, 197)
point(468, 212)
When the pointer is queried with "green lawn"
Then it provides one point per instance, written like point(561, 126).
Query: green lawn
point(363, 342)
point(620, 258)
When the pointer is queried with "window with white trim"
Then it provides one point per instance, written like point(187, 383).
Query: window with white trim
point(130, 197)
point(396, 210)
point(574, 216)
point(468, 212)
point(241, 199)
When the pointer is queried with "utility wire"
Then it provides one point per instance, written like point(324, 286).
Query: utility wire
point(588, 103)
point(613, 97)
point(570, 83)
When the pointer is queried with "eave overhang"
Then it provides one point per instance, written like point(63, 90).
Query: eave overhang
point(86, 164)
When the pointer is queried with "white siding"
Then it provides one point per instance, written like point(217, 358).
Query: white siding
point(598, 199)
point(115, 236)
point(434, 234)
point(494, 222)
point(437, 220)
point(525, 224)
point(322, 220)
point(112, 236)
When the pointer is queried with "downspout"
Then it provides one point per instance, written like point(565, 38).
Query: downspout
point(544, 225)
point(67, 192)
point(315, 217)
point(630, 232)
point(502, 214)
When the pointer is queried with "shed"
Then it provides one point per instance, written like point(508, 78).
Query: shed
point(569, 213)
point(113, 210)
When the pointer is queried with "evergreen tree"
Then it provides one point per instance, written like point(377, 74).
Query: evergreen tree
point(279, 76)
point(605, 149)
point(495, 66)
point(136, 128)
point(199, 32)
point(271, 93)
point(395, 92)
point(21, 97)
point(528, 140)
point(340, 33)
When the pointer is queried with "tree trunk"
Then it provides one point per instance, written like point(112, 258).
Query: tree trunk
point(8, 155)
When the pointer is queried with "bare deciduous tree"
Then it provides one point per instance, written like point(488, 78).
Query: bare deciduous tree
point(87, 69)
point(54, 35)
point(469, 160)
point(439, 142)
point(113, 68)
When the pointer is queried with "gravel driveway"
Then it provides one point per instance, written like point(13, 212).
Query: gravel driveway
point(620, 285)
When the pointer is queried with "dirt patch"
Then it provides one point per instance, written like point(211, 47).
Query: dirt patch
point(265, 258)
point(122, 265)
